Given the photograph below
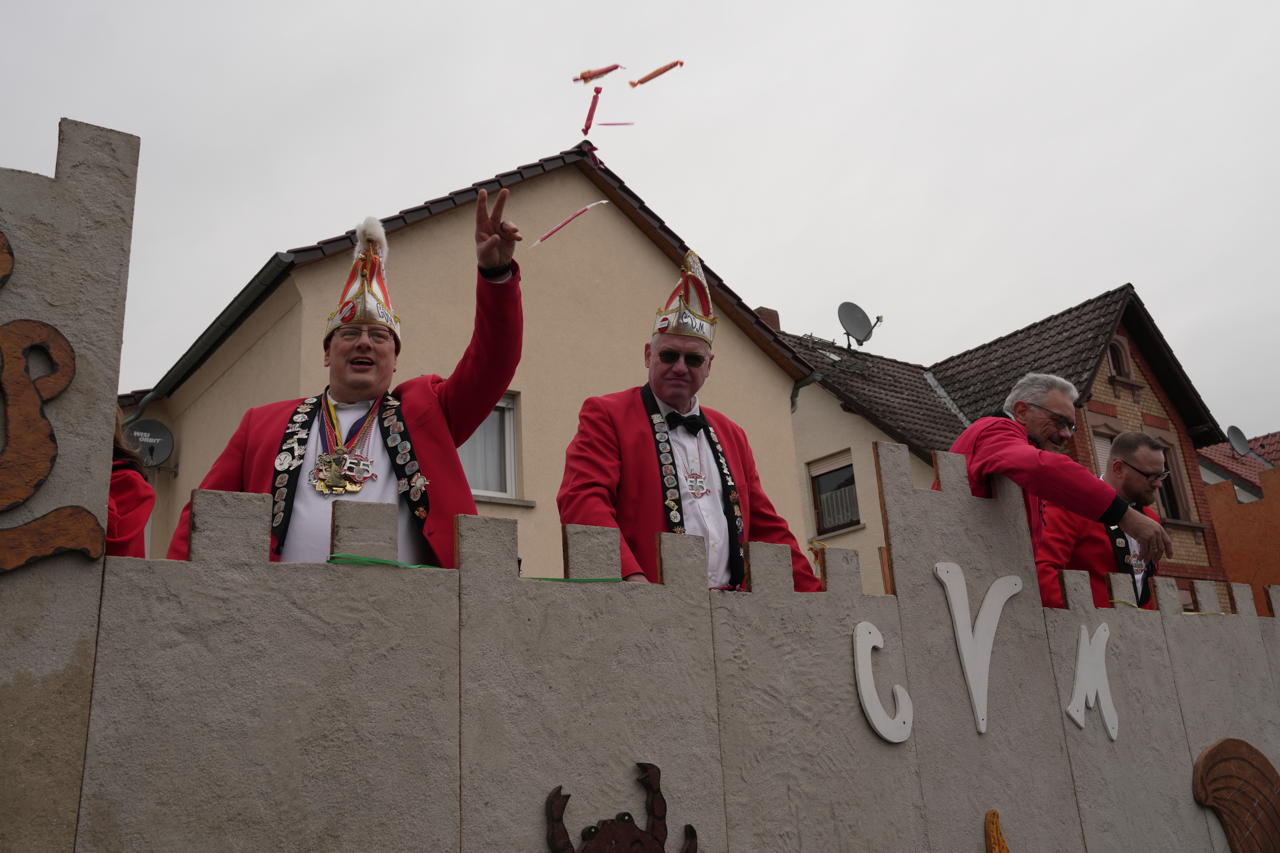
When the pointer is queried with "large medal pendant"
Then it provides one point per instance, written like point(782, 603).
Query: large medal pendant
point(340, 472)
point(696, 483)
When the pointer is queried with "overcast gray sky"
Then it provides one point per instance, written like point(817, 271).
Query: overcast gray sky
point(963, 169)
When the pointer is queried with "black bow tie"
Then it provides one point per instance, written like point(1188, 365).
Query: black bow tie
point(693, 423)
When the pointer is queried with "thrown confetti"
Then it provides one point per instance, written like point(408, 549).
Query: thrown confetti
point(591, 113)
point(568, 220)
point(593, 73)
point(657, 73)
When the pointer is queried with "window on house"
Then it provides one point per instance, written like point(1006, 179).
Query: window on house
point(1102, 451)
point(489, 455)
point(1119, 358)
point(835, 503)
point(1172, 497)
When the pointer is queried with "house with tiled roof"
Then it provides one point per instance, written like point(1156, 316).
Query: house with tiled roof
point(1219, 462)
point(1244, 496)
point(1108, 346)
point(590, 297)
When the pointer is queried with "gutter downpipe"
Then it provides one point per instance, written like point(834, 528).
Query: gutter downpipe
point(800, 383)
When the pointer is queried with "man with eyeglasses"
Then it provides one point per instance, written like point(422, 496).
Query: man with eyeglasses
point(652, 459)
point(359, 439)
point(1027, 445)
point(1135, 470)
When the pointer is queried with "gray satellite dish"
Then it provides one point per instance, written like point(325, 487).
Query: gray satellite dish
point(153, 441)
point(1237, 440)
point(856, 324)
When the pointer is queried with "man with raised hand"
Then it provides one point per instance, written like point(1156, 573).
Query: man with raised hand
point(359, 439)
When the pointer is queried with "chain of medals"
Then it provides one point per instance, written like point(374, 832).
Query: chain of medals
point(343, 467)
point(694, 480)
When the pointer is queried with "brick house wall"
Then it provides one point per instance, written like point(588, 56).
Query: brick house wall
point(1137, 402)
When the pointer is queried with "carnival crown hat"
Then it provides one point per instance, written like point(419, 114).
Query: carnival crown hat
point(364, 298)
point(688, 310)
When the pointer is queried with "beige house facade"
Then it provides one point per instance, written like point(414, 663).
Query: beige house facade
point(590, 297)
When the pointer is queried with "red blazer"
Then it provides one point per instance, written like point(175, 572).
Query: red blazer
point(612, 479)
point(130, 499)
point(439, 415)
point(1000, 446)
point(1070, 541)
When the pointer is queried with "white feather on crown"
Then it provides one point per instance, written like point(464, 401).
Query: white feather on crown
point(371, 231)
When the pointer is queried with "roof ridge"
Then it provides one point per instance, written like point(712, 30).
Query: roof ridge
point(812, 337)
point(1128, 286)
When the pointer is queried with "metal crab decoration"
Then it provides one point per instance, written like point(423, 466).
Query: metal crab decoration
point(621, 833)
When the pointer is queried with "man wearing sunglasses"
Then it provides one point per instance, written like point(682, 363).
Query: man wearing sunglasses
point(1027, 446)
point(653, 460)
point(360, 439)
point(1135, 470)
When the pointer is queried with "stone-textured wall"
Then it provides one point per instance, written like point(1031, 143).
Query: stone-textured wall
point(327, 707)
point(69, 237)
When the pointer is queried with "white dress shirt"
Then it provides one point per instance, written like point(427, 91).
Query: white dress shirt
point(703, 516)
point(310, 523)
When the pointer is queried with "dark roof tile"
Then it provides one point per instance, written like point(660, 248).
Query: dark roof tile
point(1068, 344)
point(894, 395)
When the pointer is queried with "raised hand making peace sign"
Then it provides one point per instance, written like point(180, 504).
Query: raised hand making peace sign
point(495, 239)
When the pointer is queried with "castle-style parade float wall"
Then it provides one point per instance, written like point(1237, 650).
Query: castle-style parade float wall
point(229, 703)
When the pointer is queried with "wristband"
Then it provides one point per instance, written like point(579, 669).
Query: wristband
point(1115, 512)
point(496, 272)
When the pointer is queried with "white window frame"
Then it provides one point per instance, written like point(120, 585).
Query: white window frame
point(508, 406)
point(843, 459)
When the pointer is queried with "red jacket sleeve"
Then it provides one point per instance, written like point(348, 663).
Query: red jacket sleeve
point(1057, 545)
point(592, 471)
point(226, 475)
point(485, 370)
point(1002, 448)
point(130, 500)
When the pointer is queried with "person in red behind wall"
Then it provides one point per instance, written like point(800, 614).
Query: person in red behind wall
point(130, 499)
point(360, 439)
point(1027, 445)
point(652, 459)
point(1135, 470)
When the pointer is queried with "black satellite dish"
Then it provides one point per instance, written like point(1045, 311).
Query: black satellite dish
point(1239, 443)
point(153, 441)
point(856, 323)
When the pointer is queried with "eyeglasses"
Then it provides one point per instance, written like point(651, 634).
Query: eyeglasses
point(351, 334)
point(1060, 421)
point(692, 360)
point(1153, 478)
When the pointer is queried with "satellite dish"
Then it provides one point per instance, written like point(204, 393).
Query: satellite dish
point(1237, 440)
point(153, 441)
point(856, 324)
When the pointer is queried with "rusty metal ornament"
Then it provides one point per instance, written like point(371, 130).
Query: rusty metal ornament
point(1242, 787)
point(994, 837)
point(620, 833)
point(6, 260)
point(30, 447)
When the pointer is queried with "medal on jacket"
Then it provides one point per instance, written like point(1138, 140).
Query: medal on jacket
point(343, 467)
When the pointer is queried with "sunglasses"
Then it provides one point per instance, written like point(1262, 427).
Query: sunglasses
point(692, 360)
point(1059, 421)
point(1158, 477)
